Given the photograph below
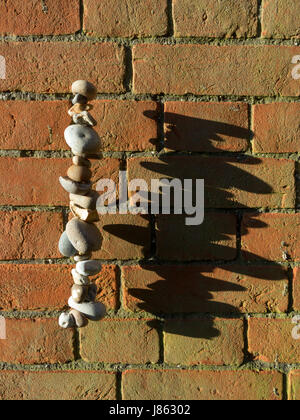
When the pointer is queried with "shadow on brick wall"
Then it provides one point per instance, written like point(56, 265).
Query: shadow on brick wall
point(179, 277)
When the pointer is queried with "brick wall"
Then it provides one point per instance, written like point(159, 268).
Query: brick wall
point(187, 89)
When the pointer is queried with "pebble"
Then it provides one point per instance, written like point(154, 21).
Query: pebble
point(92, 310)
point(92, 293)
point(80, 161)
point(88, 268)
point(83, 140)
point(79, 293)
point(73, 187)
point(84, 214)
point(79, 278)
point(79, 99)
point(65, 246)
point(80, 320)
point(88, 201)
point(85, 257)
point(66, 320)
point(79, 173)
point(84, 88)
point(85, 237)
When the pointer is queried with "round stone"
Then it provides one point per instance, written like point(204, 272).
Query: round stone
point(79, 173)
point(88, 201)
point(80, 161)
point(92, 310)
point(84, 88)
point(65, 246)
point(66, 320)
point(84, 214)
point(80, 320)
point(73, 187)
point(88, 268)
point(79, 278)
point(82, 139)
point(85, 237)
point(79, 293)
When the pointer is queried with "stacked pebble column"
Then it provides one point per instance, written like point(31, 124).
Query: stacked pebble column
point(81, 236)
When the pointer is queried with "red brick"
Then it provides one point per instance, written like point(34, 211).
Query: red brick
point(215, 70)
point(176, 241)
point(105, 169)
point(34, 17)
point(25, 235)
point(276, 128)
point(210, 18)
point(51, 67)
point(229, 181)
point(270, 340)
point(294, 386)
point(120, 341)
point(57, 385)
point(204, 341)
point(26, 287)
point(273, 237)
point(36, 341)
point(33, 125)
point(201, 385)
point(124, 237)
point(296, 289)
point(280, 19)
point(206, 126)
point(125, 18)
point(204, 288)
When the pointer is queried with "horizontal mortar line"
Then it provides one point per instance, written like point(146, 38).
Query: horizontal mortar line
point(37, 209)
point(161, 40)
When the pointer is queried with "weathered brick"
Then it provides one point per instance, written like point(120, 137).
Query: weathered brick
point(280, 19)
point(294, 386)
point(33, 17)
point(276, 128)
point(124, 237)
point(36, 341)
point(206, 126)
point(215, 70)
point(120, 341)
point(204, 341)
point(210, 18)
point(203, 385)
point(229, 181)
point(270, 340)
point(26, 287)
point(106, 168)
point(58, 385)
point(29, 235)
point(51, 67)
point(204, 288)
point(176, 241)
point(272, 237)
point(125, 18)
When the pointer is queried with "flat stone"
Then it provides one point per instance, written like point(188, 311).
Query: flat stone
point(80, 320)
point(84, 214)
point(88, 268)
point(92, 310)
point(80, 161)
point(79, 173)
point(65, 246)
point(66, 320)
point(79, 278)
point(79, 293)
point(85, 237)
point(85, 257)
point(88, 201)
point(82, 139)
point(73, 187)
point(84, 88)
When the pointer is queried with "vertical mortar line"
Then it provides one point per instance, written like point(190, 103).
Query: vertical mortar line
point(120, 285)
point(161, 342)
point(170, 18)
point(291, 289)
point(259, 17)
point(246, 340)
point(285, 387)
point(251, 127)
point(81, 14)
point(128, 73)
point(119, 396)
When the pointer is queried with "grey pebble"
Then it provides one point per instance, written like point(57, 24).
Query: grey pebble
point(65, 246)
point(79, 278)
point(92, 310)
point(85, 237)
point(88, 268)
point(82, 139)
point(73, 187)
point(66, 320)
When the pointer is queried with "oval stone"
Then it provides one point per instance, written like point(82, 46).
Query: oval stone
point(79, 293)
point(85, 237)
point(88, 268)
point(73, 187)
point(65, 246)
point(84, 88)
point(66, 320)
point(92, 310)
point(82, 139)
point(80, 320)
point(79, 173)
point(88, 201)
point(79, 278)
